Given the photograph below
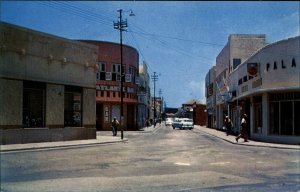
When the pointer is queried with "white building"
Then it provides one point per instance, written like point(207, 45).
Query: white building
point(266, 87)
point(238, 48)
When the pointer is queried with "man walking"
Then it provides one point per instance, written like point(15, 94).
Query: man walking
point(228, 125)
point(243, 132)
point(114, 125)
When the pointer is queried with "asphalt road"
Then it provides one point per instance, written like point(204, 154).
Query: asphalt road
point(164, 160)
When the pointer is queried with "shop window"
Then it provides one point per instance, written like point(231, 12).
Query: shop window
point(283, 117)
point(274, 118)
point(286, 117)
point(258, 118)
point(73, 106)
point(296, 119)
point(34, 104)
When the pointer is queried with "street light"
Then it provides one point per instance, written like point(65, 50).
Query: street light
point(121, 25)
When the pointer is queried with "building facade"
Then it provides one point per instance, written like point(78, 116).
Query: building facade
point(144, 96)
point(238, 48)
point(47, 87)
point(266, 87)
point(210, 92)
point(108, 80)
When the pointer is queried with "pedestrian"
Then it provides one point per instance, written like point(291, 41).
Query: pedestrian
point(243, 132)
point(228, 125)
point(114, 125)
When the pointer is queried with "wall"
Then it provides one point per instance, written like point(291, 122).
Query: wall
point(30, 55)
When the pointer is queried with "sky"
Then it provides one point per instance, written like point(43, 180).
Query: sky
point(179, 40)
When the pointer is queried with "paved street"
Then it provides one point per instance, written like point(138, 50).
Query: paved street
point(161, 160)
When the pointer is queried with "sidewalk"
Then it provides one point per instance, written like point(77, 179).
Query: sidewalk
point(103, 137)
point(231, 139)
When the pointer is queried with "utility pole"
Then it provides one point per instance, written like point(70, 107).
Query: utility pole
point(160, 92)
point(121, 25)
point(154, 78)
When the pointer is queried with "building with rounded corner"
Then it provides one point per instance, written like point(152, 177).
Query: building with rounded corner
point(266, 87)
point(47, 87)
point(108, 80)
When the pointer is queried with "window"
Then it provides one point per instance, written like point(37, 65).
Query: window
point(131, 71)
point(245, 79)
point(73, 106)
point(286, 117)
point(274, 118)
point(283, 115)
point(34, 104)
point(240, 81)
point(116, 71)
point(236, 62)
point(296, 120)
point(101, 71)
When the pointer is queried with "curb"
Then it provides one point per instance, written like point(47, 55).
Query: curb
point(66, 146)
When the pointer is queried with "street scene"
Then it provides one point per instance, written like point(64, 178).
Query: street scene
point(149, 96)
point(157, 159)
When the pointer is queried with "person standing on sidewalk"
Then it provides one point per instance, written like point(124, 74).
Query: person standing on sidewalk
point(228, 125)
point(114, 125)
point(243, 132)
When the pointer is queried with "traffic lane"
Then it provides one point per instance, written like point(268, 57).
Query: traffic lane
point(165, 153)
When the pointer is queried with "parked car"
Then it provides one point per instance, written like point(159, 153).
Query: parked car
point(169, 121)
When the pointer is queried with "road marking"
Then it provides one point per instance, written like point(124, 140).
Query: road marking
point(219, 163)
point(183, 164)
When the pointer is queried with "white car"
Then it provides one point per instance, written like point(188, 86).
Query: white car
point(169, 121)
point(187, 124)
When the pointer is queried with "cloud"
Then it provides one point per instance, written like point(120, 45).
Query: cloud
point(198, 89)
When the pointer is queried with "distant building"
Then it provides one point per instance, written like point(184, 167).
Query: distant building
point(158, 112)
point(47, 87)
point(108, 79)
point(144, 96)
point(194, 109)
point(210, 93)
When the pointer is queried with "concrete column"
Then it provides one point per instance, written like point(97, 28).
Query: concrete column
point(55, 106)
point(265, 114)
point(251, 120)
point(11, 103)
point(89, 108)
